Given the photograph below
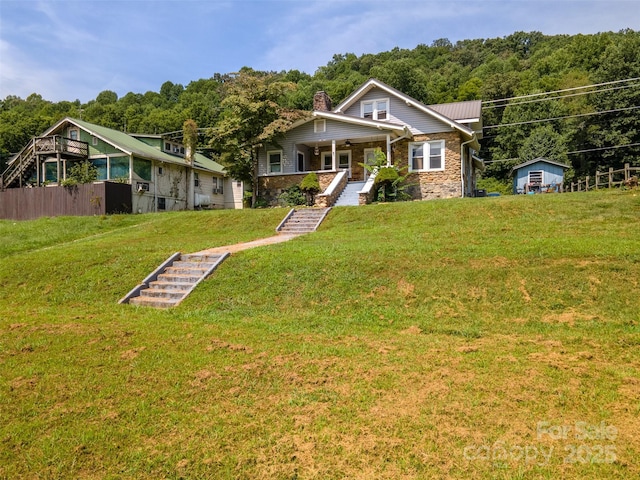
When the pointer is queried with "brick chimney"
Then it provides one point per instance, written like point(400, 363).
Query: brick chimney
point(321, 102)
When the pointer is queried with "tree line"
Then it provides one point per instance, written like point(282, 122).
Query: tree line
point(587, 129)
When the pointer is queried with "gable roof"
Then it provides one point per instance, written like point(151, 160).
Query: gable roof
point(132, 146)
point(374, 83)
point(537, 160)
point(339, 117)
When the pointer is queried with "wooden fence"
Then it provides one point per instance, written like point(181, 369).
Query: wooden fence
point(88, 199)
point(609, 179)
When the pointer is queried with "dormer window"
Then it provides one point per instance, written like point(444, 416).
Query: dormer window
point(375, 109)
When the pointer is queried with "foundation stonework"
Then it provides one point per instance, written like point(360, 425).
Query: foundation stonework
point(436, 184)
point(270, 187)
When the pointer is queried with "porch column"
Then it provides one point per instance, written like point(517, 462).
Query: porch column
point(334, 165)
point(388, 150)
point(58, 170)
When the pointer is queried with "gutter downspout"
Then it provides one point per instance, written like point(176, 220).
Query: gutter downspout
point(462, 145)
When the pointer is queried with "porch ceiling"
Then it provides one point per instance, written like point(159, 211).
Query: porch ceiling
point(341, 142)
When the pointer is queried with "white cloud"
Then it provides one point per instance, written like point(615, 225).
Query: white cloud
point(67, 50)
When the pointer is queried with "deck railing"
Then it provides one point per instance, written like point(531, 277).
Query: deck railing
point(52, 144)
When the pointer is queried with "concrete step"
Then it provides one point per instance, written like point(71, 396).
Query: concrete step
point(201, 257)
point(170, 286)
point(167, 287)
point(177, 277)
point(305, 220)
point(153, 302)
point(163, 293)
point(186, 270)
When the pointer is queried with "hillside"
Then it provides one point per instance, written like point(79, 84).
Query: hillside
point(475, 69)
point(440, 339)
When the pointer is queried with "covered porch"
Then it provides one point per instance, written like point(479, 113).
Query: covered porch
point(346, 154)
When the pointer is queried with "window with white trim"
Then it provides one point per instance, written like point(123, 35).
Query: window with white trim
point(327, 161)
point(274, 159)
point(375, 109)
point(319, 126)
point(426, 156)
point(344, 159)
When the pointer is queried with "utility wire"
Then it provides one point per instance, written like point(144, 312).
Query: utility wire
point(561, 96)
point(573, 153)
point(561, 118)
point(563, 90)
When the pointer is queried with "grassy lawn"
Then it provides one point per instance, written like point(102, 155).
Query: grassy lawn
point(471, 338)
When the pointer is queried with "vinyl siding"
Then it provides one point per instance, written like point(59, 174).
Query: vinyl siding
point(401, 113)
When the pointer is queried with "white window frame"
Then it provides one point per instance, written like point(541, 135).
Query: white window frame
point(426, 161)
point(375, 109)
point(348, 154)
point(328, 155)
point(270, 164)
point(319, 126)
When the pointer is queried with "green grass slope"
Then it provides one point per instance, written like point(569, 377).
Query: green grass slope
point(471, 338)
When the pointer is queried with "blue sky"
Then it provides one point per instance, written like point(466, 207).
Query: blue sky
point(67, 50)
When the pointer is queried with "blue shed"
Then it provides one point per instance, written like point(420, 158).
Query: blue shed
point(538, 176)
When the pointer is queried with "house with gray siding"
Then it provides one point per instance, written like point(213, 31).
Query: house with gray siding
point(538, 176)
point(436, 144)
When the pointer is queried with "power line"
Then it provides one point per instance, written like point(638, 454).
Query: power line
point(563, 90)
point(614, 147)
point(604, 148)
point(537, 100)
point(562, 118)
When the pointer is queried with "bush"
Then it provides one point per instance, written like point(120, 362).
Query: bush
point(491, 184)
point(310, 186)
point(292, 197)
point(81, 172)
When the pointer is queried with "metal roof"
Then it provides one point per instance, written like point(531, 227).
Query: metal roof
point(470, 110)
point(133, 146)
point(539, 159)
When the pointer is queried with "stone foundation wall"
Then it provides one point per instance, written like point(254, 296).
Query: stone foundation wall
point(270, 187)
point(432, 185)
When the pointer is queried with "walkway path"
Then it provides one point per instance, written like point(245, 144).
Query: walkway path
point(244, 246)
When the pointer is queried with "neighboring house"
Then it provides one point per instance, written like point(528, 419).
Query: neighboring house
point(437, 145)
point(538, 176)
point(154, 166)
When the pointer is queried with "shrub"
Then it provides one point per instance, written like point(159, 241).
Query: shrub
point(81, 172)
point(310, 186)
point(292, 197)
point(491, 184)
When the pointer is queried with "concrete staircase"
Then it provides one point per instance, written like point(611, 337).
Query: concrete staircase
point(304, 220)
point(170, 283)
point(349, 196)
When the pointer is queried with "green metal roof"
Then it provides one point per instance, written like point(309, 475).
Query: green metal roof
point(133, 146)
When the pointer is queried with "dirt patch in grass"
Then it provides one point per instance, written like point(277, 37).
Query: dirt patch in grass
point(217, 344)
point(570, 317)
point(132, 353)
